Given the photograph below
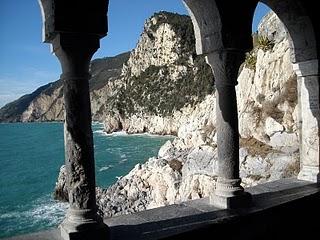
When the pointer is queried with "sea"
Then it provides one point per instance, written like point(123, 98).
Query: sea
point(31, 155)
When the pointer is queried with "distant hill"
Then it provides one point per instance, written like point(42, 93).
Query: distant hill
point(101, 70)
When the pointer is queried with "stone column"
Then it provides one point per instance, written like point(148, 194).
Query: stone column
point(74, 52)
point(228, 193)
point(309, 119)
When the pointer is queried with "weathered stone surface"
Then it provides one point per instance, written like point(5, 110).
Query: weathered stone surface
point(275, 165)
point(74, 48)
point(285, 142)
point(202, 161)
point(61, 190)
point(166, 150)
point(308, 81)
point(267, 103)
point(272, 127)
point(74, 52)
point(271, 27)
point(196, 186)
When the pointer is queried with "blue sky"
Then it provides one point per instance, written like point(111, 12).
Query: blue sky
point(26, 63)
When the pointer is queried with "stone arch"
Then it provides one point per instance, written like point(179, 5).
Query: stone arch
point(297, 19)
point(223, 34)
point(207, 25)
point(217, 26)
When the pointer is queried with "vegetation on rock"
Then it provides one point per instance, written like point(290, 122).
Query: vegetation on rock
point(154, 91)
point(259, 42)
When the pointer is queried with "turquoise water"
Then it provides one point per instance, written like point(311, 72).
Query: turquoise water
point(31, 155)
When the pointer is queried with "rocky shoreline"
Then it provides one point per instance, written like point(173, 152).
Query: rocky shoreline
point(186, 167)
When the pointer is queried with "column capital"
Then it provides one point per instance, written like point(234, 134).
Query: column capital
point(74, 51)
point(81, 17)
point(225, 64)
point(70, 41)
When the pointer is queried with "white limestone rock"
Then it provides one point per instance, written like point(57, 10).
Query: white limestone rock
point(165, 151)
point(61, 190)
point(285, 142)
point(271, 27)
point(46, 107)
point(201, 161)
point(272, 127)
point(267, 96)
point(274, 166)
point(283, 165)
point(186, 167)
point(196, 186)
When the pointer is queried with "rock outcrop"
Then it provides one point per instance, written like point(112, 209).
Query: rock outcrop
point(186, 168)
point(139, 92)
point(162, 77)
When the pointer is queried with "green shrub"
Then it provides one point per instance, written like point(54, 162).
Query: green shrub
point(251, 60)
point(264, 43)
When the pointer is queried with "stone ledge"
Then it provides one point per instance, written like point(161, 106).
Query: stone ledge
point(283, 200)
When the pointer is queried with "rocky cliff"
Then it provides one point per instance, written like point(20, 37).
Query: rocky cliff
point(186, 168)
point(139, 92)
point(162, 76)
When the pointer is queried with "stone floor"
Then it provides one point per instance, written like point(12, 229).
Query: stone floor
point(273, 203)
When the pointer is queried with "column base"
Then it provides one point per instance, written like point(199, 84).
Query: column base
point(310, 173)
point(230, 195)
point(239, 201)
point(77, 227)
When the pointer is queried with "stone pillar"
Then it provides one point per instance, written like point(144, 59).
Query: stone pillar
point(309, 117)
point(74, 52)
point(228, 193)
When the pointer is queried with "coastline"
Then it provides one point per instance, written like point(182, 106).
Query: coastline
point(24, 137)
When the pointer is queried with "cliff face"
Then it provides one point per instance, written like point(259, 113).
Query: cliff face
point(140, 92)
point(162, 76)
point(47, 106)
point(186, 168)
point(12, 112)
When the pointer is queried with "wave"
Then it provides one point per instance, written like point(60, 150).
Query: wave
point(105, 168)
point(52, 211)
point(100, 131)
point(43, 212)
point(124, 133)
point(114, 134)
point(151, 135)
point(119, 133)
point(123, 160)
